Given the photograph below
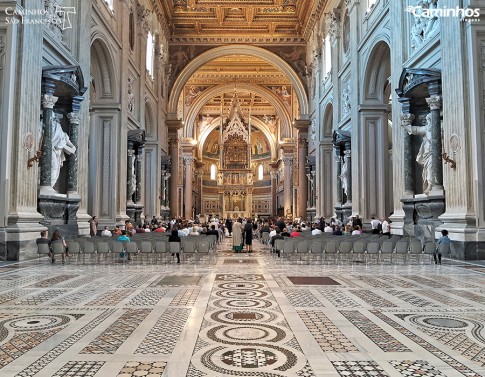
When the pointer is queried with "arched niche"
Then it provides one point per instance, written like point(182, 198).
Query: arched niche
point(247, 50)
point(150, 123)
point(102, 71)
point(377, 73)
point(327, 126)
point(272, 98)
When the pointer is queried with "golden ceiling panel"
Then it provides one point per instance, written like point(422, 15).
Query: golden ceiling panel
point(241, 21)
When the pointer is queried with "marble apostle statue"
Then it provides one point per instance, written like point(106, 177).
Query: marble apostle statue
point(424, 154)
point(344, 176)
point(132, 179)
point(61, 145)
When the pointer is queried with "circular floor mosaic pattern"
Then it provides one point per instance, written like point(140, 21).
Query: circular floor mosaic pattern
point(249, 358)
point(37, 322)
point(240, 285)
point(241, 293)
point(246, 303)
point(245, 316)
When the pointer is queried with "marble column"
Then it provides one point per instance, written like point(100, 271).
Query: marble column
point(174, 153)
point(45, 161)
point(129, 173)
point(348, 161)
point(274, 183)
point(434, 103)
point(302, 177)
point(407, 120)
point(287, 184)
point(188, 187)
point(74, 119)
point(338, 169)
point(138, 174)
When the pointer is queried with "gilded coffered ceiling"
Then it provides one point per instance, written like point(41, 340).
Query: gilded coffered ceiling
point(241, 21)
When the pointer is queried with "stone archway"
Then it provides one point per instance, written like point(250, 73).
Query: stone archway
point(375, 122)
point(217, 52)
point(103, 134)
point(218, 90)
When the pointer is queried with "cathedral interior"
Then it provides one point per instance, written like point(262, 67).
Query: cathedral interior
point(125, 110)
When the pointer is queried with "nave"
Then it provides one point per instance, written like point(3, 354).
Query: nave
point(241, 315)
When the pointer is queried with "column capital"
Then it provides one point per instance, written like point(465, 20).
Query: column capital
point(74, 117)
point(188, 160)
point(406, 119)
point(302, 142)
point(332, 23)
point(48, 101)
point(434, 102)
point(288, 161)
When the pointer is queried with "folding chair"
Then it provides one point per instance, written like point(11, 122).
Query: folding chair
point(402, 250)
point(265, 238)
point(415, 250)
point(345, 250)
point(373, 249)
point(43, 249)
point(429, 249)
point(89, 249)
point(331, 248)
point(103, 249)
point(358, 250)
point(58, 248)
point(161, 250)
point(174, 248)
point(132, 249)
point(146, 250)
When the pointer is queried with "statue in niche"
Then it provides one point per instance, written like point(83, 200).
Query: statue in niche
point(424, 154)
point(132, 179)
point(61, 145)
point(131, 96)
point(220, 178)
point(344, 176)
point(250, 179)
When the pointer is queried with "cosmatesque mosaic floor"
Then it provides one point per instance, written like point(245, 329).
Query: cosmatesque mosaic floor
point(231, 317)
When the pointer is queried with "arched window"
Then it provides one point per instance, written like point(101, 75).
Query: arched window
point(131, 24)
point(150, 53)
point(260, 172)
point(213, 171)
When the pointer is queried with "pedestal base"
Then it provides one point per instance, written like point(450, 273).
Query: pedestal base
point(421, 216)
point(134, 211)
point(59, 213)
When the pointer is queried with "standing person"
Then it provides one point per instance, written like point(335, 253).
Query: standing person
point(386, 228)
point(56, 237)
point(93, 226)
point(237, 236)
point(229, 225)
point(443, 244)
point(375, 225)
point(321, 224)
point(174, 237)
point(248, 235)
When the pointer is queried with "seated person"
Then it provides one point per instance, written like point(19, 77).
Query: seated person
point(277, 236)
point(139, 229)
point(213, 231)
point(285, 233)
point(357, 231)
point(296, 233)
point(328, 228)
point(316, 231)
point(117, 231)
point(106, 232)
point(43, 238)
point(337, 231)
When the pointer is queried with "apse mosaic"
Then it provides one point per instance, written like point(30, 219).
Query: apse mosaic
point(267, 319)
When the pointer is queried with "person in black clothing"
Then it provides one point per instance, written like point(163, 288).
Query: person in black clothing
point(280, 224)
point(43, 238)
point(277, 236)
point(265, 228)
point(248, 235)
point(357, 221)
point(284, 233)
point(321, 224)
point(174, 237)
point(229, 226)
point(214, 232)
point(337, 231)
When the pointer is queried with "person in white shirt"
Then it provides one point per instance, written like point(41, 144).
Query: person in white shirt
point(106, 232)
point(357, 231)
point(374, 223)
point(386, 228)
point(272, 233)
point(316, 231)
point(328, 228)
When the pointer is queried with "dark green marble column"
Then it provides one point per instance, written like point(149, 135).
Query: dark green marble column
point(45, 162)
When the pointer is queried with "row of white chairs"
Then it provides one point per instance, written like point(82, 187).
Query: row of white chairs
point(154, 250)
point(363, 250)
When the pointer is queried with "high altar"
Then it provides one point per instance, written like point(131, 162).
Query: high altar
point(235, 178)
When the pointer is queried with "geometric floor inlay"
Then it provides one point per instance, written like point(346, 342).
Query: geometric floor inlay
point(312, 280)
point(214, 318)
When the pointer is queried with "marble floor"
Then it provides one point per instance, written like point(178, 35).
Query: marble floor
point(241, 315)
